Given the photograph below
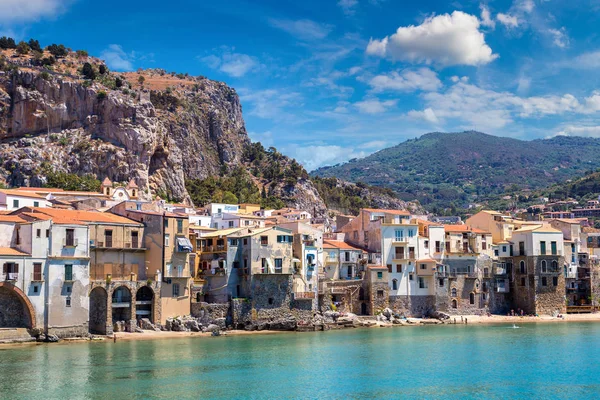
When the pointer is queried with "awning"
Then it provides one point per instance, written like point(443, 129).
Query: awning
point(295, 260)
point(184, 245)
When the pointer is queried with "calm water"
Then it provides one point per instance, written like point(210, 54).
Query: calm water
point(535, 361)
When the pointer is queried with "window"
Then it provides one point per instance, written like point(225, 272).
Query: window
point(230, 224)
point(38, 233)
point(245, 241)
point(399, 268)
point(496, 253)
point(411, 233)
point(233, 242)
point(389, 267)
point(438, 246)
point(399, 235)
point(366, 234)
point(555, 280)
point(399, 253)
point(176, 290)
point(423, 266)
point(15, 203)
point(264, 240)
point(379, 275)
point(68, 272)
point(471, 298)
point(521, 248)
point(504, 249)
point(47, 232)
point(108, 238)
point(522, 281)
point(426, 244)
point(68, 289)
point(544, 281)
point(37, 271)
point(245, 263)
point(411, 252)
point(68, 302)
point(441, 282)
point(544, 267)
point(135, 242)
point(522, 266)
point(36, 203)
point(395, 284)
point(166, 222)
point(380, 294)
point(70, 237)
point(279, 265)
point(167, 239)
point(347, 256)
point(448, 247)
point(453, 291)
point(543, 248)
point(553, 248)
point(554, 266)
point(410, 277)
point(484, 245)
point(236, 264)
point(355, 235)
point(36, 289)
point(422, 283)
point(179, 226)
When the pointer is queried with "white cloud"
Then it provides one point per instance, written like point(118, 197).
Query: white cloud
point(486, 17)
point(580, 130)
point(348, 6)
point(270, 103)
point(525, 6)
point(474, 107)
point(315, 156)
point(427, 115)
point(509, 21)
point(232, 64)
point(448, 39)
point(406, 81)
point(265, 138)
point(13, 11)
point(523, 84)
point(589, 60)
point(559, 37)
point(374, 106)
point(117, 59)
point(303, 29)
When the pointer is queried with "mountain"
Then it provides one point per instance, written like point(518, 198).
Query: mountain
point(450, 169)
point(67, 121)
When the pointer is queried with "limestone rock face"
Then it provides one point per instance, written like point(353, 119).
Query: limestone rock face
point(58, 122)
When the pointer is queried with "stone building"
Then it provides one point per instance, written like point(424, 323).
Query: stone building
point(167, 255)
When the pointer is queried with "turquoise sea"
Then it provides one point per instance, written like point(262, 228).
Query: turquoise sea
point(535, 361)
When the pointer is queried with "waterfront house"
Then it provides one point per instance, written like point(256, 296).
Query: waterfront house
point(13, 199)
point(169, 255)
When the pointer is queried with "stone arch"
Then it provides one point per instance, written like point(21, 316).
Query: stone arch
point(454, 303)
point(144, 303)
point(121, 304)
point(98, 320)
point(25, 316)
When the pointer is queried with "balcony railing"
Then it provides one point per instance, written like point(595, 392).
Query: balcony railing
point(214, 272)
point(116, 245)
point(11, 276)
point(213, 248)
point(304, 295)
point(456, 274)
point(70, 243)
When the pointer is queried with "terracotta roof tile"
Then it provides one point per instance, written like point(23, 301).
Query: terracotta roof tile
point(9, 251)
point(14, 192)
point(393, 212)
point(338, 244)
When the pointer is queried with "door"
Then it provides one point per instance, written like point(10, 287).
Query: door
point(363, 309)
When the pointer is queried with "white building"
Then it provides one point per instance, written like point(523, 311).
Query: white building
point(12, 199)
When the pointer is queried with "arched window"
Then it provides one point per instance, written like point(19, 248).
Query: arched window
point(454, 303)
point(453, 292)
point(544, 266)
point(395, 284)
point(554, 265)
point(472, 298)
point(522, 266)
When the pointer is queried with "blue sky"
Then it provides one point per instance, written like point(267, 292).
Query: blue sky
point(326, 81)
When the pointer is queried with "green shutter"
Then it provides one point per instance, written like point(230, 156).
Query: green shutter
point(68, 272)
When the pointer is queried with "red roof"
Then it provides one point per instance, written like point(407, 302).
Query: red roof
point(393, 212)
point(462, 228)
point(338, 244)
point(14, 192)
point(61, 216)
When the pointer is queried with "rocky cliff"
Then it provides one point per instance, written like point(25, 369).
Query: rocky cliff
point(72, 115)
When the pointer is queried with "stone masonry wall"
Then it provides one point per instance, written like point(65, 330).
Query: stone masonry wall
point(413, 306)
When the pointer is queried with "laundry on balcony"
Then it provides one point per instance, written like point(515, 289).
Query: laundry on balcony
point(184, 245)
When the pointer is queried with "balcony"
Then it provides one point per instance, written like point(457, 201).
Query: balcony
point(456, 274)
point(220, 271)
point(400, 240)
point(120, 272)
point(276, 271)
point(304, 295)
point(213, 249)
point(70, 242)
point(11, 276)
point(116, 245)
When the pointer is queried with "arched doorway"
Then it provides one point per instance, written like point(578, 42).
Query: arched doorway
point(143, 303)
point(16, 311)
point(98, 310)
point(454, 303)
point(363, 309)
point(121, 304)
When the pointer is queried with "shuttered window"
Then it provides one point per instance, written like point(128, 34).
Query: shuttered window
point(68, 272)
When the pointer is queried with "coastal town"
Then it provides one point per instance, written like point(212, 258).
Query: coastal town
point(76, 264)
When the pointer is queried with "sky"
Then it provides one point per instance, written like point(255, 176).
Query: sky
point(330, 80)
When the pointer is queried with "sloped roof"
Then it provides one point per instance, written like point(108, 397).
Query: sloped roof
point(463, 228)
point(338, 244)
point(61, 216)
point(9, 251)
point(11, 218)
point(393, 212)
point(221, 232)
point(14, 192)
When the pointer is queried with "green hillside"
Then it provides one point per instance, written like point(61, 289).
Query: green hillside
point(444, 170)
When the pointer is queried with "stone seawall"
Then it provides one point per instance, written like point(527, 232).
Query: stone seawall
point(413, 306)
